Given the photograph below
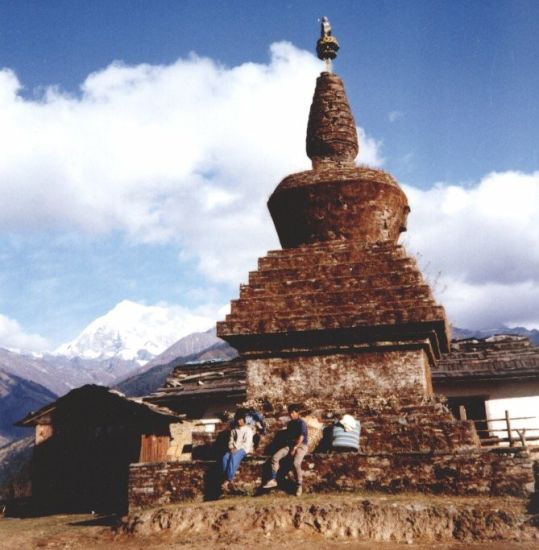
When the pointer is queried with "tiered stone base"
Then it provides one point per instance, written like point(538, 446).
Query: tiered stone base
point(405, 446)
point(387, 426)
point(334, 295)
point(474, 472)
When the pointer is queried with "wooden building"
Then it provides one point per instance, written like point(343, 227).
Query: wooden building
point(484, 378)
point(84, 443)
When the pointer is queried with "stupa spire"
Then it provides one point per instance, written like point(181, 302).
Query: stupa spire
point(327, 45)
point(336, 200)
point(331, 131)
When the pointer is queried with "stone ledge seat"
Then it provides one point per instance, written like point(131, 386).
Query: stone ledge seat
point(426, 428)
point(466, 473)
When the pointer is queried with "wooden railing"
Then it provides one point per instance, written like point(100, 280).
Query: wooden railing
point(523, 437)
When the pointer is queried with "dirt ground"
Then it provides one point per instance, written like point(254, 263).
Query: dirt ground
point(88, 532)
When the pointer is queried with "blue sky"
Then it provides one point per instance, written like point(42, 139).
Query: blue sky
point(142, 139)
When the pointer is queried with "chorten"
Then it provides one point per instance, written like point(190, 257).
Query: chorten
point(339, 320)
point(341, 310)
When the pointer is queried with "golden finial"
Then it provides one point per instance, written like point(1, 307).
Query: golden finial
point(327, 45)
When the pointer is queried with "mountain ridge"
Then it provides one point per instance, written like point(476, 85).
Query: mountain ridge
point(150, 380)
point(460, 333)
point(17, 398)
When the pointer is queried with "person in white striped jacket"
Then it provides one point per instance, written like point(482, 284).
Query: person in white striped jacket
point(345, 436)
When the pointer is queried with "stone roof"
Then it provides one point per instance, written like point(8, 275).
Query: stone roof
point(498, 357)
point(98, 401)
point(204, 380)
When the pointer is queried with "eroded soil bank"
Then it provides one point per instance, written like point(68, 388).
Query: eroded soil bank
point(317, 522)
point(409, 519)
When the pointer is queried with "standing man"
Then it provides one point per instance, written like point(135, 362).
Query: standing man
point(295, 448)
point(240, 445)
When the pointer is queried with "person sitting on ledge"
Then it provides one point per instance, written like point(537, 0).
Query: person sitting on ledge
point(345, 434)
point(295, 448)
point(240, 445)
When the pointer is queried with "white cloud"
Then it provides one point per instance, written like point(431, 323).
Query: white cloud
point(483, 240)
point(13, 337)
point(492, 305)
point(393, 116)
point(185, 153)
point(369, 149)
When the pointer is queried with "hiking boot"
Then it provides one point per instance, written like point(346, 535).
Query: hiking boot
point(299, 490)
point(270, 484)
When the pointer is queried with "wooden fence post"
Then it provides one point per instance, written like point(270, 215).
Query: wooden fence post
point(522, 436)
point(509, 434)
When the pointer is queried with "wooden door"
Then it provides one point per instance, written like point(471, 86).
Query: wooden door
point(153, 448)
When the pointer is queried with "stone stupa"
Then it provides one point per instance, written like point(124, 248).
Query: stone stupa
point(341, 310)
point(340, 320)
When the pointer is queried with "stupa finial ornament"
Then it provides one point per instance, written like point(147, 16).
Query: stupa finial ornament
point(327, 45)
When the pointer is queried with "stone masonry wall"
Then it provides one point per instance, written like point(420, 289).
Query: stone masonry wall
point(333, 293)
point(339, 376)
point(427, 427)
point(469, 473)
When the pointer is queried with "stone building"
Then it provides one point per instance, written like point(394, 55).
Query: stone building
point(340, 320)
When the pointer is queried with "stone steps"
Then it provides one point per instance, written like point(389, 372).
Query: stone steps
point(336, 297)
point(373, 284)
point(325, 255)
point(269, 321)
point(336, 246)
point(476, 472)
point(357, 269)
point(334, 285)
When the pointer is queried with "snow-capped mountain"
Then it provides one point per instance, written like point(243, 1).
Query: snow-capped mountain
point(135, 331)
